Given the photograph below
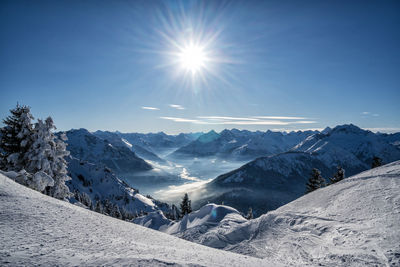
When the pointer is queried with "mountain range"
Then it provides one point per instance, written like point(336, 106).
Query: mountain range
point(241, 144)
point(267, 183)
point(264, 183)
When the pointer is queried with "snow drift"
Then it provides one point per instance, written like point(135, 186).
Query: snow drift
point(40, 230)
point(354, 222)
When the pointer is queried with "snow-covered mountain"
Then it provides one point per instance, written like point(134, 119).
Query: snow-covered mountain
point(159, 143)
point(40, 230)
point(99, 183)
point(353, 143)
point(237, 144)
point(116, 140)
point(354, 222)
point(86, 146)
point(270, 182)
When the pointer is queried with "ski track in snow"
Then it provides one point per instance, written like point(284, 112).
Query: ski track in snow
point(39, 230)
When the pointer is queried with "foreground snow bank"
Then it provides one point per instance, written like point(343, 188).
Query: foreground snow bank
point(354, 222)
point(39, 230)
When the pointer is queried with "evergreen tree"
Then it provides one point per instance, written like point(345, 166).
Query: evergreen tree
point(59, 166)
point(315, 181)
point(15, 138)
point(47, 154)
point(249, 215)
point(175, 212)
point(186, 205)
point(41, 152)
point(116, 213)
point(376, 162)
point(99, 207)
point(107, 207)
point(338, 176)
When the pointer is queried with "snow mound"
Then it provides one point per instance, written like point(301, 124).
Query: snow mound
point(155, 220)
point(40, 230)
point(208, 216)
point(354, 222)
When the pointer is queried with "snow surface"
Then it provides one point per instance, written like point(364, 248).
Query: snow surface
point(39, 230)
point(355, 222)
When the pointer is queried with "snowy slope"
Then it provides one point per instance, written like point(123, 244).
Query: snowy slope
point(101, 184)
point(39, 230)
point(355, 222)
point(87, 146)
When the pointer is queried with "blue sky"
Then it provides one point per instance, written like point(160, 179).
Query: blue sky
point(114, 65)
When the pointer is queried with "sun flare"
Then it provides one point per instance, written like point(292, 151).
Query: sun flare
point(192, 58)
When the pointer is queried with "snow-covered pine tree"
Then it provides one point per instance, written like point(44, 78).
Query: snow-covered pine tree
point(315, 181)
point(59, 167)
point(338, 176)
point(46, 154)
point(41, 153)
point(186, 205)
point(15, 138)
point(174, 212)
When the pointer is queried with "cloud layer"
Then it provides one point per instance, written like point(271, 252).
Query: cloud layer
point(253, 120)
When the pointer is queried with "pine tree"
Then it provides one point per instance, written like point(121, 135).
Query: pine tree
point(116, 213)
point(249, 214)
point(315, 181)
point(46, 154)
point(59, 167)
point(15, 138)
point(186, 205)
point(175, 212)
point(107, 207)
point(376, 162)
point(338, 176)
point(99, 207)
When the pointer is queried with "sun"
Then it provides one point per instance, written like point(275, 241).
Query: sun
point(192, 58)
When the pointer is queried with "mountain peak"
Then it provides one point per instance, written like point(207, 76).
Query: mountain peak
point(348, 128)
point(208, 137)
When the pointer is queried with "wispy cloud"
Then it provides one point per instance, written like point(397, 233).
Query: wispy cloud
point(367, 113)
point(150, 108)
point(226, 118)
point(279, 118)
point(254, 120)
point(175, 119)
point(176, 106)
